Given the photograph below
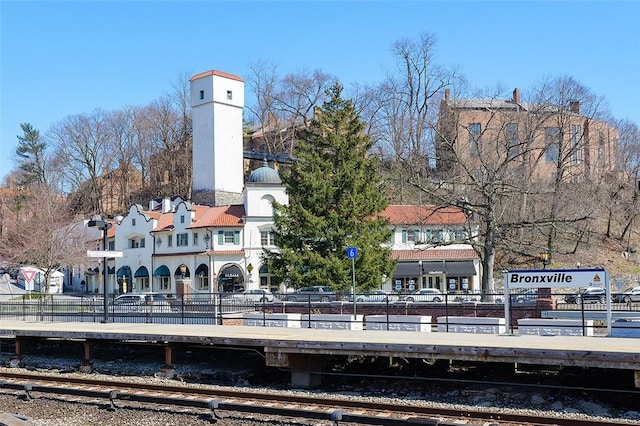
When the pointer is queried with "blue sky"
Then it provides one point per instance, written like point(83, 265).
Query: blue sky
point(61, 58)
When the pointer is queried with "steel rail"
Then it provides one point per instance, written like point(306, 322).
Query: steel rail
point(274, 403)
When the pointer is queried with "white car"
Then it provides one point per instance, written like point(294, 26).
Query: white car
point(377, 296)
point(632, 295)
point(256, 296)
point(130, 300)
point(425, 295)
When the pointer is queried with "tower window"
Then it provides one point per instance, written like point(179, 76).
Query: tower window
point(229, 95)
point(201, 94)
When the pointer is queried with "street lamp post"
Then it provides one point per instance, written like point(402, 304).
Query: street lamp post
point(104, 226)
point(544, 256)
point(421, 274)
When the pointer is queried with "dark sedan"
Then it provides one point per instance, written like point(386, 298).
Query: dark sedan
point(586, 295)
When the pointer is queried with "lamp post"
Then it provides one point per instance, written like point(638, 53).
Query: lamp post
point(104, 226)
point(421, 272)
point(544, 257)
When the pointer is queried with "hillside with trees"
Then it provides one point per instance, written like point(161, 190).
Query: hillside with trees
point(104, 161)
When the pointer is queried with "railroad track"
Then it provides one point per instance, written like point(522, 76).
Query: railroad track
point(214, 401)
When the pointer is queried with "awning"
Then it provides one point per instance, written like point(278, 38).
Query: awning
point(202, 269)
point(142, 272)
point(124, 271)
point(434, 268)
point(407, 270)
point(460, 269)
point(231, 272)
point(412, 270)
point(161, 271)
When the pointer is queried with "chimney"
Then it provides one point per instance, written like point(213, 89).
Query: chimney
point(574, 106)
point(166, 205)
point(447, 94)
point(516, 96)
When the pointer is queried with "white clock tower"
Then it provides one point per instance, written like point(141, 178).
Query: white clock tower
point(217, 100)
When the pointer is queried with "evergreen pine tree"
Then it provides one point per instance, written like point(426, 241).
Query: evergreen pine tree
point(31, 153)
point(335, 197)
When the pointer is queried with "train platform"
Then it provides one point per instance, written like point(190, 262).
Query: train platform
point(306, 350)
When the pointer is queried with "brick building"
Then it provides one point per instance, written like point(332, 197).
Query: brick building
point(540, 140)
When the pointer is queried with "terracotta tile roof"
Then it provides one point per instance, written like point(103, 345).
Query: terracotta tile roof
point(205, 216)
point(111, 232)
point(152, 214)
point(218, 73)
point(423, 215)
point(227, 252)
point(218, 216)
point(436, 254)
point(165, 222)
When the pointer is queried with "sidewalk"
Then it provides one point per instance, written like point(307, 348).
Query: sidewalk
point(8, 289)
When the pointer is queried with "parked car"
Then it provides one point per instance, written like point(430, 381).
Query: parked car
point(425, 295)
point(130, 299)
point(314, 294)
point(589, 294)
point(529, 296)
point(139, 300)
point(377, 296)
point(157, 299)
point(632, 295)
point(256, 295)
point(462, 296)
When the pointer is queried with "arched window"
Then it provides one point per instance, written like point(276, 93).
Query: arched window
point(202, 277)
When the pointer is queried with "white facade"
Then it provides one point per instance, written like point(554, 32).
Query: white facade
point(176, 247)
point(182, 248)
point(258, 227)
point(217, 100)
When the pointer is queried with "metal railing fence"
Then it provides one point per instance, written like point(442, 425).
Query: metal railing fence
point(213, 308)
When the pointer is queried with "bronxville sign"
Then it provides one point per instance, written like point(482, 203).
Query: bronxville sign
point(556, 278)
point(545, 278)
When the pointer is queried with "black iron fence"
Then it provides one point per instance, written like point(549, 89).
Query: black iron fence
point(586, 315)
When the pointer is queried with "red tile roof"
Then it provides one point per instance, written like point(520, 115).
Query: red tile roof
point(436, 254)
point(165, 222)
point(423, 215)
point(222, 216)
point(218, 216)
point(111, 232)
point(227, 252)
point(218, 73)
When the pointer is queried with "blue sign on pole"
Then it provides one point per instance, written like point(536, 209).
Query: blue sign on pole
point(352, 252)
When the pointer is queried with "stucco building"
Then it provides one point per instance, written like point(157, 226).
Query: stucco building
point(215, 241)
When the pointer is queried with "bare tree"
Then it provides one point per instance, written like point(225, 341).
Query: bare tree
point(42, 232)
point(81, 142)
point(284, 105)
point(406, 108)
point(123, 143)
point(170, 146)
point(625, 201)
point(566, 115)
point(482, 153)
